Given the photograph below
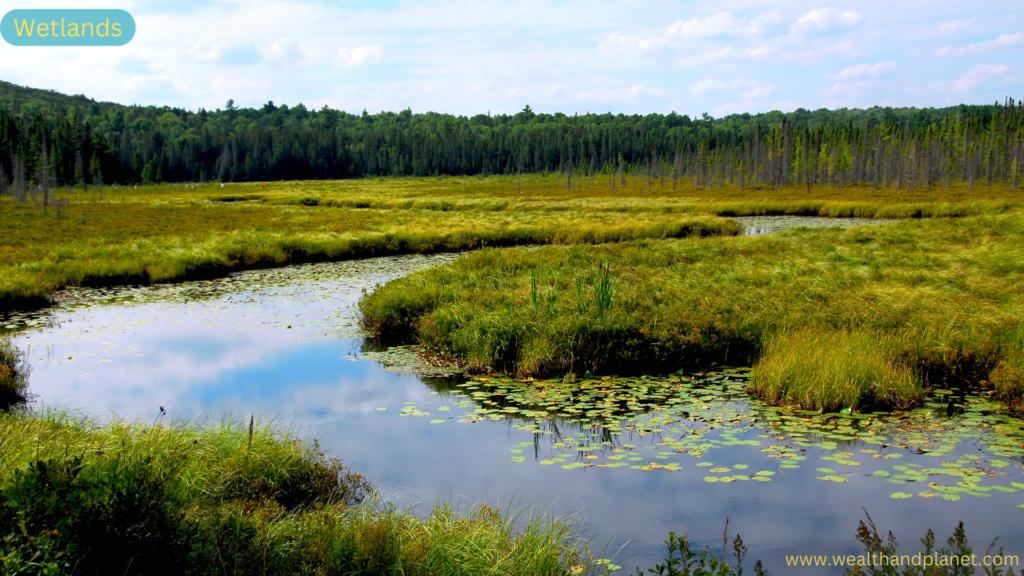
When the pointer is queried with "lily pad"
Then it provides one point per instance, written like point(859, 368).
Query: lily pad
point(900, 495)
point(711, 478)
point(951, 497)
point(832, 478)
point(519, 458)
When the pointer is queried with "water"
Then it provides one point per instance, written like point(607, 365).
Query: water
point(285, 343)
point(757, 225)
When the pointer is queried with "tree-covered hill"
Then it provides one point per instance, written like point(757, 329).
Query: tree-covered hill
point(53, 139)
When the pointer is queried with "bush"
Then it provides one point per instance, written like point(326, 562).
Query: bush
point(14, 371)
point(110, 517)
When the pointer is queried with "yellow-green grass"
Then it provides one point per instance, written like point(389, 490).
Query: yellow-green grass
point(942, 298)
point(170, 232)
point(125, 498)
point(830, 368)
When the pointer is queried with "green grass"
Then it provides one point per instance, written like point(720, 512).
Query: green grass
point(167, 232)
point(124, 498)
point(938, 299)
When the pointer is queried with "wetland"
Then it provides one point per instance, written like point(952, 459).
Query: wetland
point(632, 457)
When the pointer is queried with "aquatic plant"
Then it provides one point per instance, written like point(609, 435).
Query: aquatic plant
point(880, 553)
point(682, 561)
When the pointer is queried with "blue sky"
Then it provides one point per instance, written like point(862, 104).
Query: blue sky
point(473, 56)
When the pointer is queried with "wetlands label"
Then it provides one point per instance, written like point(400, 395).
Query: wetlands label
point(67, 27)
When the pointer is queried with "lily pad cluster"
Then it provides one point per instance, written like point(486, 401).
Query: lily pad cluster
point(705, 424)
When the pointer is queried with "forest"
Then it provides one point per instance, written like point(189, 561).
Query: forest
point(48, 139)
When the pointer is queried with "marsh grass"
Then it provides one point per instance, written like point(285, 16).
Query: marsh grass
point(166, 232)
point(125, 498)
point(829, 370)
point(936, 299)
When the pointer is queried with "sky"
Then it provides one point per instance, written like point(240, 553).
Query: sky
point(472, 57)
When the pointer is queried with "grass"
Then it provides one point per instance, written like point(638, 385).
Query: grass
point(14, 372)
point(169, 232)
point(124, 498)
point(927, 302)
point(819, 368)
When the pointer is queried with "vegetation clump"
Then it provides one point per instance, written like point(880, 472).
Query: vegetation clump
point(77, 498)
point(14, 370)
point(830, 370)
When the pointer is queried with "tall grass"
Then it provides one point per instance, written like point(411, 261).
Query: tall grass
point(829, 370)
point(940, 299)
point(164, 232)
point(80, 498)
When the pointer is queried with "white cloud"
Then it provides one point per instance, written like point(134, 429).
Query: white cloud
point(1003, 41)
point(980, 74)
point(467, 57)
point(284, 52)
point(605, 96)
point(958, 25)
point(747, 89)
point(358, 56)
point(826, 20)
point(233, 52)
point(866, 70)
point(715, 25)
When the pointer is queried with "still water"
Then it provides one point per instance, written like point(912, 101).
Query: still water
point(674, 455)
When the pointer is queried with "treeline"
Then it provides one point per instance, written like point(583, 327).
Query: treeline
point(48, 139)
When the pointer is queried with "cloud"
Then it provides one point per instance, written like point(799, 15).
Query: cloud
point(954, 26)
point(284, 51)
point(866, 70)
point(715, 25)
point(1003, 41)
point(747, 89)
point(227, 53)
point(358, 56)
point(632, 94)
point(979, 75)
point(826, 20)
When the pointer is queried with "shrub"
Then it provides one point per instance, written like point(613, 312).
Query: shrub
point(14, 371)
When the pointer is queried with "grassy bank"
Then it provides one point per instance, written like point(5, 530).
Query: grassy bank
point(170, 232)
point(895, 308)
point(78, 498)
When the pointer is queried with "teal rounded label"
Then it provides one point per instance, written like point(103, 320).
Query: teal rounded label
point(71, 27)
